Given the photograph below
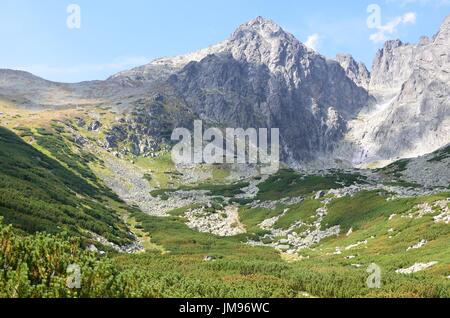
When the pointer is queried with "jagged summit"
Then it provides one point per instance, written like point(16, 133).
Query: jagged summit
point(411, 84)
point(262, 26)
point(444, 32)
point(446, 23)
point(259, 40)
point(262, 21)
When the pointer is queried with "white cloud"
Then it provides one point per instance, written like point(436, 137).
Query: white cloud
point(410, 17)
point(391, 27)
point(378, 37)
point(312, 41)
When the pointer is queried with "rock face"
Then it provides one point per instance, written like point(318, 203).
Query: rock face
point(411, 115)
point(420, 118)
point(147, 128)
point(356, 71)
point(392, 65)
point(264, 77)
point(161, 69)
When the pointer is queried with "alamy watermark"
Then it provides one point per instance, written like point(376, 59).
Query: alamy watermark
point(374, 279)
point(229, 145)
point(74, 19)
point(73, 280)
point(374, 19)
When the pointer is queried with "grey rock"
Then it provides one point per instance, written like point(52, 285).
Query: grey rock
point(92, 248)
point(264, 77)
point(80, 122)
point(208, 258)
point(319, 195)
point(80, 140)
point(416, 268)
point(411, 113)
point(95, 125)
point(356, 71)
point(283, 247)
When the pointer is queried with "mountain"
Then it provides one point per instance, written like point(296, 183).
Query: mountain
point(419, 119)
point(162, 68)
point(330, 112)
point(263, 76)
point(30, 91)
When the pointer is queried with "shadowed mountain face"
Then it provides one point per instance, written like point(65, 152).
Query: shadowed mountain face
point(263, 76)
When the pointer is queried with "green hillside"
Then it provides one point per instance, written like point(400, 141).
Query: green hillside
point(38, 193)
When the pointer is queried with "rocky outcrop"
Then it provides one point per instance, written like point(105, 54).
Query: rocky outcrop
point(393, 65)
point(162, 68)
point(220, 223)
point(356, 71)
point(430, 170)
point(420, 116)
point(418, 267)
point(147, 129)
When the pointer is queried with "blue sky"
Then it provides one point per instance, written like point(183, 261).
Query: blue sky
point(117, 35)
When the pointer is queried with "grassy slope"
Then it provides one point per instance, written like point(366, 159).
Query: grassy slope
point(243, 271)
point(39, 193)
point(286, 183)
point(304, 211)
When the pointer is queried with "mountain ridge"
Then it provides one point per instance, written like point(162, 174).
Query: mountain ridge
point(262, 76)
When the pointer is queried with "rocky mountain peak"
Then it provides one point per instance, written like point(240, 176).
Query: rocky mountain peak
point(397, 61)
point(356, 71)
point(252, 41)
point(446, 24)
point(263, 27)
point(264, 77)
point(264, 32)
point(261, 42)
point(392, 45)
point(444, 32)
point(392, 65)
point(410, 83)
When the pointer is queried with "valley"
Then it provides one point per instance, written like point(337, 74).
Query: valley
point(233, 233)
